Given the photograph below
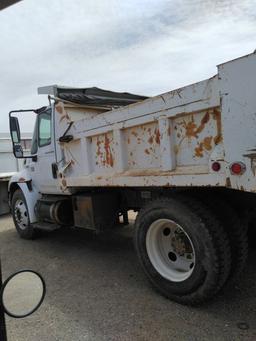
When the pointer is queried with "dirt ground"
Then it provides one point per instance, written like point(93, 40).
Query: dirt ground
point(96, 290)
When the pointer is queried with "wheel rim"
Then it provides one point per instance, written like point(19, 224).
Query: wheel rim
point(170, 250)
point(21, 214)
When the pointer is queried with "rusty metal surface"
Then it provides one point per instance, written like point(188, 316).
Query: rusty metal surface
point(134, 151)
point(155, 142)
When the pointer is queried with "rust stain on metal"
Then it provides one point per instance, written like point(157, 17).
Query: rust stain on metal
point(191, 128)
point(104, 151)
point(206, 144)
point(199, 151)
point(109, 157)
point(217, 117)
point(151, 140)
point(157, 136)
point(98, 143)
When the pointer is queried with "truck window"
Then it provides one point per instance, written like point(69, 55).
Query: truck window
point(44, 129)
point(34, 139)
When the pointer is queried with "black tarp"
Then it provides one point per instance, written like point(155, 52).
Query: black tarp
point(91, 96)
point(96, 96)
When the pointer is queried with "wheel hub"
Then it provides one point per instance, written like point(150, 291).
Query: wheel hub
point(170, 250)
point(21, 214)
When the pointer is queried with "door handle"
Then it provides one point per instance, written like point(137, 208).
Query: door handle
point(54, 170)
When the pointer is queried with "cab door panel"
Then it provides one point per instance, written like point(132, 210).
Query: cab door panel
point(41, 168)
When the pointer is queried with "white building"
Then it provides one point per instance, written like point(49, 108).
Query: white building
point(8, 165)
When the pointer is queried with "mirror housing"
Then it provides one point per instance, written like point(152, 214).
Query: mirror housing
point(22, 293)
point(18, 151)
point(15, 129)
point(15, 135)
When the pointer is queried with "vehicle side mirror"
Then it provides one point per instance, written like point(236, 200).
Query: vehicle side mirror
point(15, 134)
point(22, 293)
point(15, 129)
point(18, 150)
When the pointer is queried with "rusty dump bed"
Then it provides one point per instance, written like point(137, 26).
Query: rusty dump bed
point(168, 140)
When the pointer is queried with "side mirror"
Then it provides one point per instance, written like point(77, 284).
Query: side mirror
point(22, 293)
point(15, 129)
point(18, 150)
point(15, 134)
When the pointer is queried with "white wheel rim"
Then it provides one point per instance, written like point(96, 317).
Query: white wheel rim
point(170, 250)
point(21, 214)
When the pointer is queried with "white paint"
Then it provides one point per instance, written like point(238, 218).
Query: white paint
point(164, 141)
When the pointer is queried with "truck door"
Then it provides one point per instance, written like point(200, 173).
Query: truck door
point(43, 145)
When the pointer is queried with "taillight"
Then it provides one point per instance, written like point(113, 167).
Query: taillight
point(237, 168)
point(216, 166)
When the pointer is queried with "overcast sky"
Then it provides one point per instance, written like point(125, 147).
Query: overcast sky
point(141, 46)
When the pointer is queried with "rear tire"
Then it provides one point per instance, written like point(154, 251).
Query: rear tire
point(236, 231)
point(198, 235)
point(21, 216)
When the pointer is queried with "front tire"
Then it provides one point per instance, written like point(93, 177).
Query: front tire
point(21, 216)
point(183, 249)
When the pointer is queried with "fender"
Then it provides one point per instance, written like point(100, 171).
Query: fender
point(31, 194)
point(21, 176)
point(31, 197)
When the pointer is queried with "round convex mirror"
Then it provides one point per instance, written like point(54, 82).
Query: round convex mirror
point(22, 293)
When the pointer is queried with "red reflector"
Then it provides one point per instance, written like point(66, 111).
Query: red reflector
point(216, 166)
point(237, 168)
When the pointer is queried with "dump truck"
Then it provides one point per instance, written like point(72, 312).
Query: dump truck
point(184, 161)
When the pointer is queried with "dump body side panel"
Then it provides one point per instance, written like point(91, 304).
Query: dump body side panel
point(166, 140)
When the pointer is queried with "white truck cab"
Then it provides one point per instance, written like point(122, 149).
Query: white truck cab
point(184, 160)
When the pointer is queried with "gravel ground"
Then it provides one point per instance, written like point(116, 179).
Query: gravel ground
point(96, 290)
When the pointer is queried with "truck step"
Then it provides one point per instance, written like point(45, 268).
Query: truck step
point(46, 226)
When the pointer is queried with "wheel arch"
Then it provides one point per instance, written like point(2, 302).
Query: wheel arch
point(31, 196)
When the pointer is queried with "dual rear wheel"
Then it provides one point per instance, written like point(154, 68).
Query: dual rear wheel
point(187, 251)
